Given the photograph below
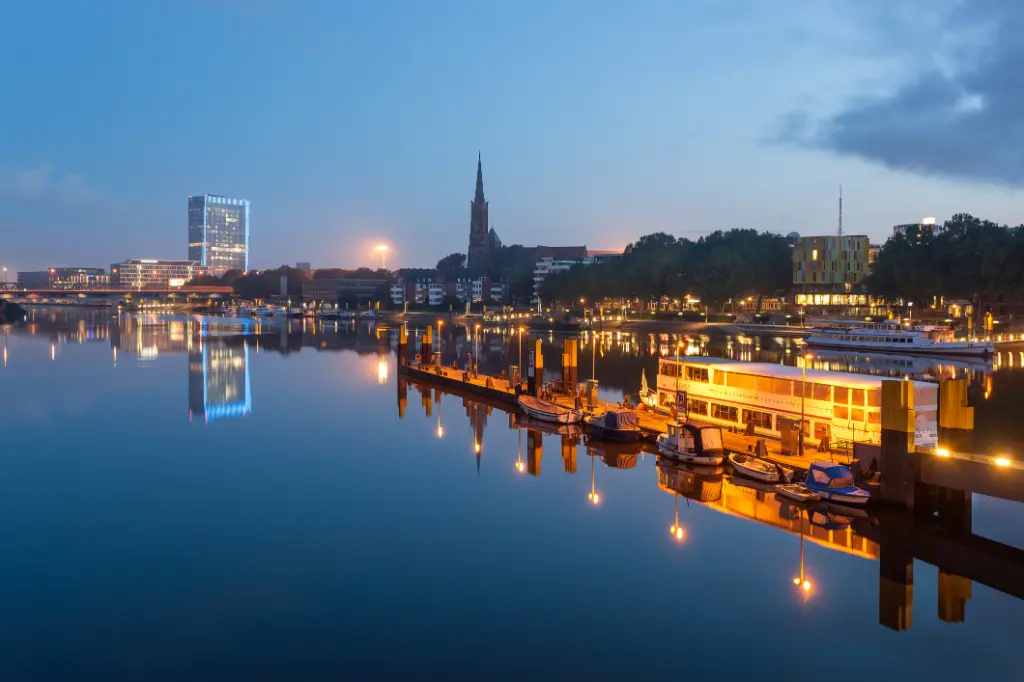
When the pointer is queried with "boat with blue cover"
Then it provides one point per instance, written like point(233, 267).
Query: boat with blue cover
point(834, 483)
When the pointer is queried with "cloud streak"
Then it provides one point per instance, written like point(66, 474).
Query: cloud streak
point(43, 183)
point(957, 116)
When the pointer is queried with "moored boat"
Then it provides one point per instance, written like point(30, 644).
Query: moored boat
point(894, 336)
point(647, 396)
point(548, 411)
point(834, 483)
point(621, 425)
point(796, 492)
point(692, 443)
point(754, 468)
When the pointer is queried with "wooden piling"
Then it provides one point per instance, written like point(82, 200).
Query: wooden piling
point(534, 451)
point(427, 345)
point(899, 464)
point(569, 454)
point(536, 377)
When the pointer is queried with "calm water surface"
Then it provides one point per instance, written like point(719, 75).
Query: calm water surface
point(180, 505)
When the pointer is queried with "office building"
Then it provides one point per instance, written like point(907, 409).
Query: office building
point(65, 278)
point(149, 273)
point(831, 263)
point(926, 226)
point(218, 233)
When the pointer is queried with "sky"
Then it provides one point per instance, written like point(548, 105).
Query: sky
point(352, 123)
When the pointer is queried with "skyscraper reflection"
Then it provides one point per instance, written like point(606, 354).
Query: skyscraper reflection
point(218, 380)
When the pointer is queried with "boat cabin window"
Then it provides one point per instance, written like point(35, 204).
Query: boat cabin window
point(669, 369)
point(841, 483)
point(841, 395)
point(874, 397)
point(841, 412)
point(742, 381)
point(856, 414)
point(857, 397)
point(719, 377)
point(761, 420)
point(697, 374)
point(697, 407)
point(817, 391)
point(726, 412)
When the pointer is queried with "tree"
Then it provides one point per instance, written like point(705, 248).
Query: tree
point(453, 266)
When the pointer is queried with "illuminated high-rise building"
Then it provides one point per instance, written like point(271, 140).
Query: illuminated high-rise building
point(218, 233)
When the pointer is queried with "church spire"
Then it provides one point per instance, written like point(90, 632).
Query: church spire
point(479, 198)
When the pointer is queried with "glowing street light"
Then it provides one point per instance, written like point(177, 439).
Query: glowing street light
point(382, 249)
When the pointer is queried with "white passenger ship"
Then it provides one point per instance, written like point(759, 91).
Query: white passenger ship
point(839, 405)
point(892, 336)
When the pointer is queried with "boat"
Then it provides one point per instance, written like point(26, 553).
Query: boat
point(796, 492)
point(294, 313)
point(895, 336)
point(545, 410)
point(647, 396)
point(620, 425)
point(264, 311)
point(754, 468)
point(834, 483)
point(769, 399)
point(692, 443)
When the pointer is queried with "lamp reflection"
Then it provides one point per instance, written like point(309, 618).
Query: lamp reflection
point(675, 529)
point(519, 454)
point(382, 370)
point(594, 496)
point(801, 581)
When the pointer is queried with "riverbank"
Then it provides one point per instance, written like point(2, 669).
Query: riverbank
point(11, 312)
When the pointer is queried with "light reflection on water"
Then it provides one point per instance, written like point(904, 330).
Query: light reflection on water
point(331, 519)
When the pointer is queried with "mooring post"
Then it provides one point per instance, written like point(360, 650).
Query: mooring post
point(403, 344)
point(899, 464)
point(956, 434)
point(426, 345)
point(570, 358)
point(569, 454)
point(536, 378)
point(534, 451)
point(403, 399)
point(896, 570)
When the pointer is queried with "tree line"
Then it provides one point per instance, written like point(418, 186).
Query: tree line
point(716, 268)
point(266, 283)
point(967, 259)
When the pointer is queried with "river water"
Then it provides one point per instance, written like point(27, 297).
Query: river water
point(201, 502)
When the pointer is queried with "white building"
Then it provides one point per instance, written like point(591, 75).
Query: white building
point(549, 266)
point(151, 273)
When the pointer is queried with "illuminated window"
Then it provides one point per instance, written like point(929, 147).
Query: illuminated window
point(814, 254)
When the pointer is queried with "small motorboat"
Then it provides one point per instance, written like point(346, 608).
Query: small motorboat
point(621, 425)
point(693, 444)
point(545, 410)
point(834, 483)
point(754, 468)
point(796, 492)
point(647, 396)
point(564, 430)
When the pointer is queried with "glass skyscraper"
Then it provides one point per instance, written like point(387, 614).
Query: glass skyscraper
point(218, 233)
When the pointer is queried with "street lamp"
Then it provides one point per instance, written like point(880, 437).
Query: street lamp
point(803, 395)
point(382, 249)
point(520, 377)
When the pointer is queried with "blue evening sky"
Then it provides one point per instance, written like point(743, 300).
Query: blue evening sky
point(347, 122)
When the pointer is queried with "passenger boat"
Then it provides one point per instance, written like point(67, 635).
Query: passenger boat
point(834, 483)
point(647, 396)
point(264, 311)
point(754, 468)
point(796, 492)
point(548, 411)
point(770, 399)
point(614, 425)
point(893, 336)
point(693, 444)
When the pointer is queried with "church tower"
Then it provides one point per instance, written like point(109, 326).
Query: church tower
point(478, 256)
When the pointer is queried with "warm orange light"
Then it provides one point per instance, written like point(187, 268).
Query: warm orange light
point(676, 531)
point(381, 248)
point(796, 581)
point(594, 497)
point(942, 452)
point(807, 586)
point(476, 447)
point(440, 431)
point(808, 357)
point(520, 467)
point(1002, 462)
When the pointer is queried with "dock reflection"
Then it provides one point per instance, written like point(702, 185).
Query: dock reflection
point(940, 534)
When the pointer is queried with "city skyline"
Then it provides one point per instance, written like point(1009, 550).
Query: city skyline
point(349, 126)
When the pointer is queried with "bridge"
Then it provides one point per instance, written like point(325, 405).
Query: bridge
point(30, 296)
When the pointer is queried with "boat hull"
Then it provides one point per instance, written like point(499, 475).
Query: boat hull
point(620, 435)
point(951, 348)
point(795, 493)
point(842, 498)
point(669, 450)
point(754, 472)
point(567, 417)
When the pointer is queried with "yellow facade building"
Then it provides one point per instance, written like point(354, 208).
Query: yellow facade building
point(831, 262)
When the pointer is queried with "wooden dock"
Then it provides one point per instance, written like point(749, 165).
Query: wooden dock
point(651, 423)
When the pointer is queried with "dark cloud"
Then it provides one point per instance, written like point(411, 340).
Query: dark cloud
point(962, 117)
